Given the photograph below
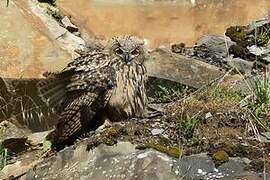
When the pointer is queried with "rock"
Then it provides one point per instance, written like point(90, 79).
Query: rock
point(247, 176)
point(12, 137)
point(10, 131)
point(240, 64)
point(258, 51)
point(157, 131)
point(38, 138)
point(17, 169)
point(65, 39)
point(233, 167)
point(77, 33)
point(123, 161)
point(195, 166)
point(119, 162)
point(213, 49)
point(251, 41)
point(27, 48)
point(264, 137)
point(201, 166)
point(181, 49)
point(178, 48)
point(242, 35)
point(247, 85)
point(262, 52)
point(217, 45)
point(191, 72)
point(208, 115)
point(258, 23)
point(69, 25)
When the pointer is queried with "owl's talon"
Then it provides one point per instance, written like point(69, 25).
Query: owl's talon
point(105, 125)
point(153, 114)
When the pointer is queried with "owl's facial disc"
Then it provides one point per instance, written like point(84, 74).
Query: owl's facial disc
point(126, 55)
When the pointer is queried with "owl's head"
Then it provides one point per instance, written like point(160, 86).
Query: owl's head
point(127, 49)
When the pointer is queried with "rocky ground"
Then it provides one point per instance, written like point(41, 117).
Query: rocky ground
point(213, 97)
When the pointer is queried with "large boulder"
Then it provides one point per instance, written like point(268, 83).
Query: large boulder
point(12, 137)
point(189, 71)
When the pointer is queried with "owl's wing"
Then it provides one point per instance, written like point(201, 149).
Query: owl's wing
point(52, 90)
point(78, 92)
point(87, 73)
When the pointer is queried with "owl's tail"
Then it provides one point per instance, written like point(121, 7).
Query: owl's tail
point(74, 120)
point(52, 90)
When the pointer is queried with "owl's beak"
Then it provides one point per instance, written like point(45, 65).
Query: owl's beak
point(127, 57)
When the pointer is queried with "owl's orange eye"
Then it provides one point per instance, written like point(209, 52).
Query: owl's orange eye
point(119, 51)
point(135, 52)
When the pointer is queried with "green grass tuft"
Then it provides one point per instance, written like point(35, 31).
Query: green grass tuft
point(263, 35)
point(220, 94)
point(165, 91)
point(260, 105)
point(3, 156)
point(187, 125)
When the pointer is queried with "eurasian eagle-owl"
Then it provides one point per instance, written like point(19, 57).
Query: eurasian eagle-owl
point(107, 83)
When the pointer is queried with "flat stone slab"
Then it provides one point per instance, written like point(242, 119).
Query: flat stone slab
point(123, 161)
point(191, 72)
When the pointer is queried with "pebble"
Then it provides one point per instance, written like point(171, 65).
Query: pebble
point(208, 115)
point(200, 171)
point(157, 131)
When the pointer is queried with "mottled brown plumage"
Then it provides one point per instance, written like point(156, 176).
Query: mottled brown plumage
point(101, 83)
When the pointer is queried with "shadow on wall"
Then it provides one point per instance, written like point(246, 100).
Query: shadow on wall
point(20, 104)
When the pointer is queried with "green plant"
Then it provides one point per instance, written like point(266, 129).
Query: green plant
point(3, 156)
point(220, 94)
point(164, 91)
point(260, 105)
point(262, 35)
point(54, 12)
point(165, 94)
point(188, 124)
point(262, 92)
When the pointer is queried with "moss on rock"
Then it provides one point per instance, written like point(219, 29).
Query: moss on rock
point(220, 157)
point(171, 151)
